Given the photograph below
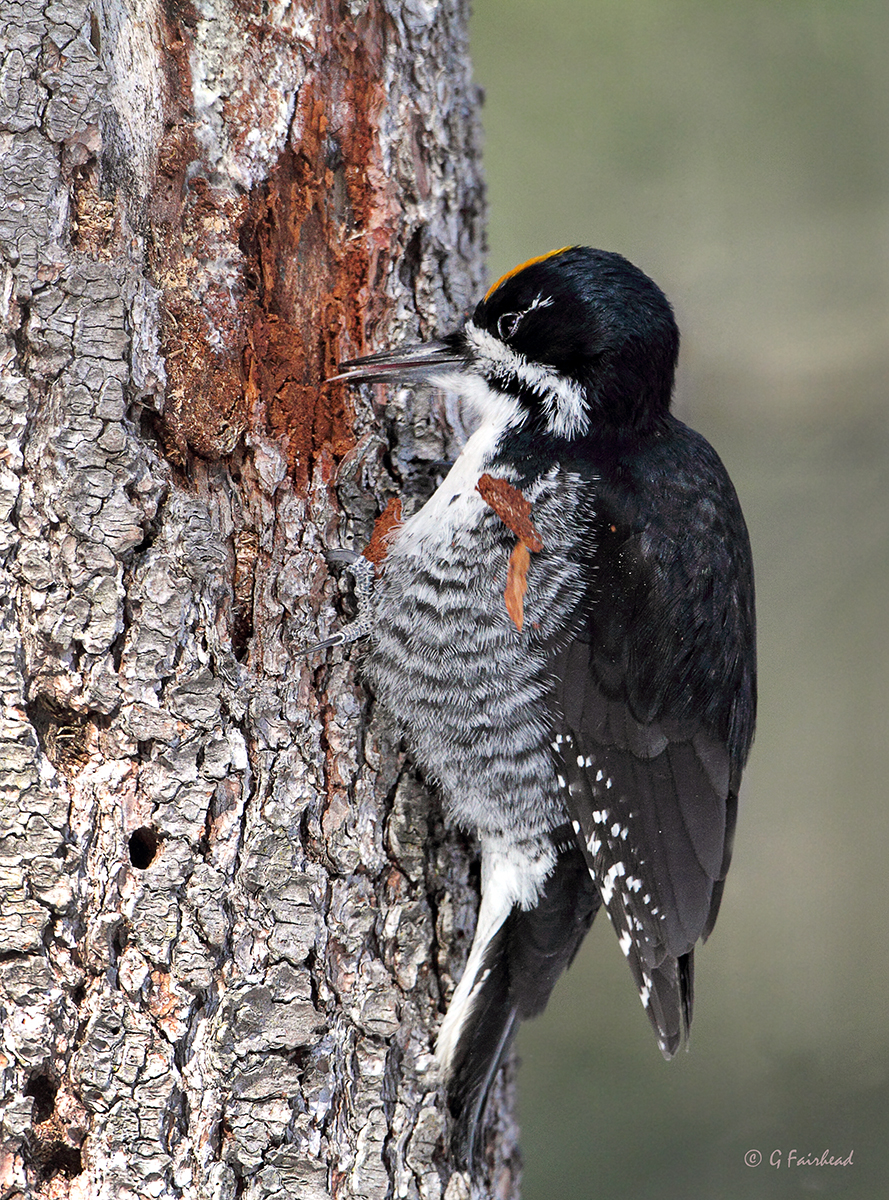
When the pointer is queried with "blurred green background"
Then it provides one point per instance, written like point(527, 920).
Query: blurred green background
point(739, 153)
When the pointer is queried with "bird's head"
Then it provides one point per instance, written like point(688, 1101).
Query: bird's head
point(571, 344)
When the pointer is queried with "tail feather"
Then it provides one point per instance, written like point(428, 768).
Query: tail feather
point(667, 993)
point(486, 1038)
point(519, 952)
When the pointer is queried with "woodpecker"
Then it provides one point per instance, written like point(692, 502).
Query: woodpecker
point(591, 731)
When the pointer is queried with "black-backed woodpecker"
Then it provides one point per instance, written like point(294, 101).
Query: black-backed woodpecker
point(594, 740)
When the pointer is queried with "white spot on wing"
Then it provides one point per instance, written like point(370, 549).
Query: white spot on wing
point(611, 875)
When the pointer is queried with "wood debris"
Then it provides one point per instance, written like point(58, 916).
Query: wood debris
point(515, 512)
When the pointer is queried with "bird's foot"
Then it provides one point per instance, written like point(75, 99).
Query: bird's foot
point(363, 573)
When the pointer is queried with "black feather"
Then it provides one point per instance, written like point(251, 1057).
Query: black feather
point(524, 960)
point(656, 697)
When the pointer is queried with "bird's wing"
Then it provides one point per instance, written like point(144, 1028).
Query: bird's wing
point(645, 697)
point(654, 816)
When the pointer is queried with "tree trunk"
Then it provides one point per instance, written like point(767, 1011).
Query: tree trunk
point(230, 915)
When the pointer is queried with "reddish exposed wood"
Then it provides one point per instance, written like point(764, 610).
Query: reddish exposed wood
point(378, 546)
point(305, 252)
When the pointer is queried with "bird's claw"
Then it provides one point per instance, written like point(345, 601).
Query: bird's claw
point(362, 571)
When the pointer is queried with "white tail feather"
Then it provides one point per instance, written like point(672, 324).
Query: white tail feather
point(509, 876)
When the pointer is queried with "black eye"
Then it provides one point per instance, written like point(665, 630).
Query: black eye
point(508, 323)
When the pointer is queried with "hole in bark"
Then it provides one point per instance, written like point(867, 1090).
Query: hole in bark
point(242, 632)
point(43, 1089)
point(411, 261)
point(117, 649)
point(62, 733)
point(143, 847)
point(61, 1160)
point(119, 940)
point(19, 337)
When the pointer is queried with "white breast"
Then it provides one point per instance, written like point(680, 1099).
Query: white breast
point(456, 504)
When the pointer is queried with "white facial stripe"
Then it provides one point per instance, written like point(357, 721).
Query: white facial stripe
point(562, 398)
point(492, 407)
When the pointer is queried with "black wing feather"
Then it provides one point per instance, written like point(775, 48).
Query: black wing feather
point(656, 699)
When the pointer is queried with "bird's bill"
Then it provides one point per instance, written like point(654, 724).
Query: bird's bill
point(417, 361)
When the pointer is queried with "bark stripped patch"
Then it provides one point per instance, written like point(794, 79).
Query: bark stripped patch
point(305, 254)
point(59, 1122)
point(205, 408)
point(93, 225)
point(65, 735)
point(313, 239)
point(388, 520)
point(194, 227)
point(246, 553)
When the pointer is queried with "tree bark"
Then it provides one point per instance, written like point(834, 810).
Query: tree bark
point(230, 916)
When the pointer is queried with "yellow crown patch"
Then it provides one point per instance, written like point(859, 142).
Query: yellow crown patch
point(530, 263)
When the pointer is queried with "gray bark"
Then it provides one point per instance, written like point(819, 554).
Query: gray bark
point(229, 914)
